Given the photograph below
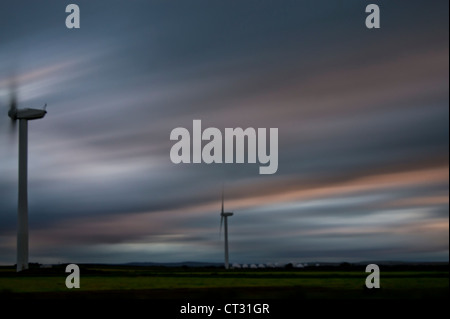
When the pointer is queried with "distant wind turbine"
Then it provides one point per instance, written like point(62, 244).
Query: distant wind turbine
point(224, 217)
point(23, 115)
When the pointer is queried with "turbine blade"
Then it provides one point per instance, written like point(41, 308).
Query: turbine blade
point(220, 229)
point(12, 126)
point(12, 107)
point(222, 201)
point(13, 94)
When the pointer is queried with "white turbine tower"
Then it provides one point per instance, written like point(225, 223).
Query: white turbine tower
point(23, 115)
point(224, 216)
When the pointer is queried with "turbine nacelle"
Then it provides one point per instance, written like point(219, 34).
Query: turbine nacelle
point(26, 114)
point(226, 214)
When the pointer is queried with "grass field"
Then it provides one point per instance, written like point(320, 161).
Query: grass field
point(100, 282)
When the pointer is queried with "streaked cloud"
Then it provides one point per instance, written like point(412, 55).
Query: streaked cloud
point(362, 117)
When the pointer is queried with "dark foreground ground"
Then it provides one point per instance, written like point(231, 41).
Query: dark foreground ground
point(244, 293)
point(185, 292)
point(210, 283)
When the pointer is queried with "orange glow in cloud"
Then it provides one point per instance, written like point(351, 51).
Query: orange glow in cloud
point(358, 185)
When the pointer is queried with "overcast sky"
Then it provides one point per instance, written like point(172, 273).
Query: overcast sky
point(363, 120)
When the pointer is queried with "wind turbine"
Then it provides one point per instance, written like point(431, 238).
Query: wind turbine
point(23, 115)
point(224, 216)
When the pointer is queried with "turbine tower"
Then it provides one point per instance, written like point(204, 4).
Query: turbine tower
point(224, 217)
point(23, 115)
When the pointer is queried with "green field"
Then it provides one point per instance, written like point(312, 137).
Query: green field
point(99, 282)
